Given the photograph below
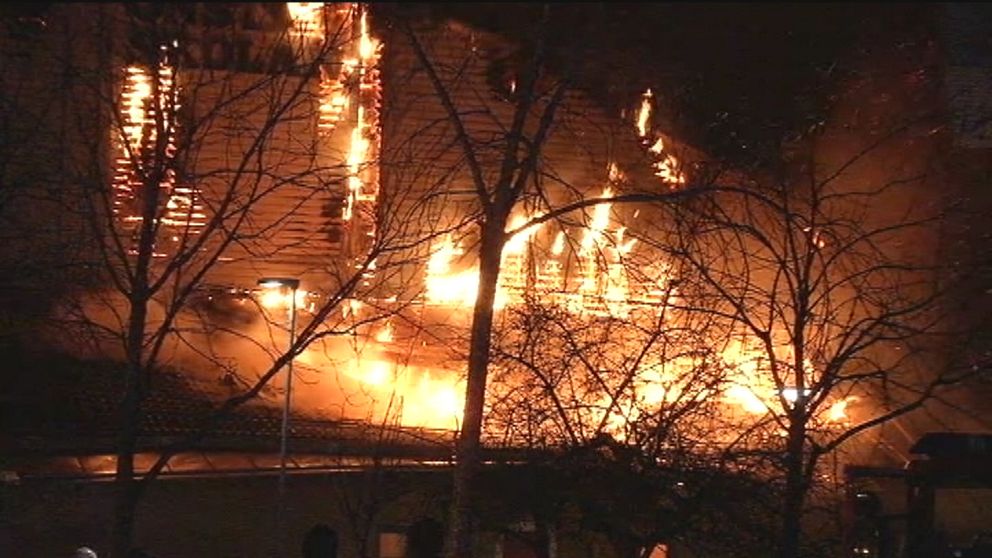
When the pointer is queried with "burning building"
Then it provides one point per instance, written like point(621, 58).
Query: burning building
point(314, 142)
point(309, 141)
point(308, 145)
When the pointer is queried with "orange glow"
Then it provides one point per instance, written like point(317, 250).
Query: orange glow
point(753, 390)
point(358, 85)
point(443, 286)
point(281, 299)
point(559, 245)
point(356, 159)
point(838, 411)
point(667, 166)
point(419, 397)
point(306, 17)
point(334, 101)
point(141, 116)
point(581, 269)
point(602, 286)
point(385, 335)
point(644, 114)
point(367, 46)
point(600, 220)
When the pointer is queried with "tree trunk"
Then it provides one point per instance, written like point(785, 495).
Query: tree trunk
point(459, 539)
point(125, 503)
point(126, 487)
point(795, 490)
point(135, 388)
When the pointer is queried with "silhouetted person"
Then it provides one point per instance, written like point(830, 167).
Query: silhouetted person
point(320, 542)
point(425, 539)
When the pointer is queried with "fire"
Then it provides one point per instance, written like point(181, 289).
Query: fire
point(602, 288)
point(667, 166)
point(753, 390)
point(366, 44)
point(600, 252)
point(644, 114)
point(838, 411)
point(280, 299)
point(413, 395)
point(141, 116)
point(357, 85)
point(600, 220)
point(559, 245)
point(334, 101)
point(385, 335)
point(306, 17)
point(443, 286)
point(356, 159)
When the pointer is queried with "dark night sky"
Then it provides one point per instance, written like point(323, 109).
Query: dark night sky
point(733, 78)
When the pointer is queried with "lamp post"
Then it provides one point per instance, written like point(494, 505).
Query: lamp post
point(291, 284)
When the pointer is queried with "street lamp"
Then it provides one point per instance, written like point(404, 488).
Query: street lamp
point(291, 284)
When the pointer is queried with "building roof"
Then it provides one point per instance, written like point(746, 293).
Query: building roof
point(70, 412)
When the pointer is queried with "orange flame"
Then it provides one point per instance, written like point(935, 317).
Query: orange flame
point(306, 18)
point(666, 165)
point(443, 286)
point(644, 114)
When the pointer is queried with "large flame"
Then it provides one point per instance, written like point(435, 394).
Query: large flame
point(386, 390)
point(443, 284)
point(362, 71)
point(141, 116)
point(535, 262)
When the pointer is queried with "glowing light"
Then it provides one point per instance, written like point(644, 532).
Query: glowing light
point(838, 411)
point(306, 17)
point(367, 46)
point(358, 86)
point(792, 394)
point(276, 298)
point(420, 397)
point(559, 245)
point(599, 222)
point(615, 174)
point(666, 165)
point(442, 286)
point(385, 335)
point(644, 114)
point(746, 399)
point(142, 115)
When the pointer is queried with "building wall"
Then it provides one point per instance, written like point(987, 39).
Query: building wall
point(221, 516)
point(372, 511)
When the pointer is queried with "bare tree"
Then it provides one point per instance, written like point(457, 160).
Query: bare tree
point(829, 323)
point(836, 296)
point(638, 401)
point(501, 139)
point(201, 148)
